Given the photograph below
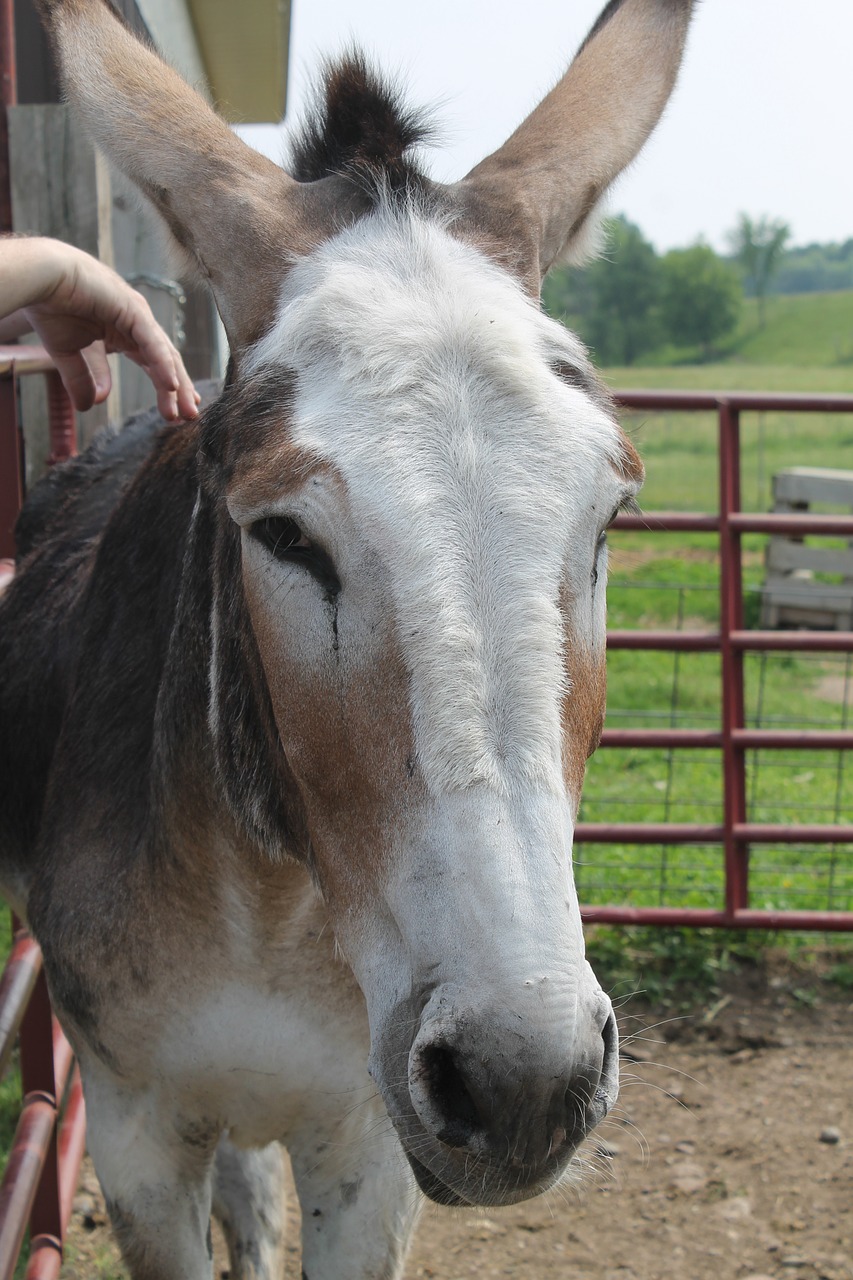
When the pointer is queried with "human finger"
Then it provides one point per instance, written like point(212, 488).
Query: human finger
point(177, 398)
point(77, 378)
point(188, 398)
point(96, 358)
point(150, 347)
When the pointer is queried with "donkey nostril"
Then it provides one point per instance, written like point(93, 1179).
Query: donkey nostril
point(606, 1087)
point(458, 1114)
point(610, 1036)
point(591, 1090)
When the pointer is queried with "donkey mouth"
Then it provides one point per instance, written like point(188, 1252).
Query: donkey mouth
point(489, 1133)
point(433, 1187)
point(479, 1186)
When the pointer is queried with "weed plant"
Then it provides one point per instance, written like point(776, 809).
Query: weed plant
point(685, 971)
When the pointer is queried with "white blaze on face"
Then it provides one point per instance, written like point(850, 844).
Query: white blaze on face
point(477, 478)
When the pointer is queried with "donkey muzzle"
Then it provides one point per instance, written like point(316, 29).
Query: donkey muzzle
point(505, 1096)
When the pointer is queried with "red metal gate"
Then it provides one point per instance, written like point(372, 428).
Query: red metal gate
point(736, 833)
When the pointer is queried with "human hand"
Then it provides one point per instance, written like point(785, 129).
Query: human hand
point(82, 310)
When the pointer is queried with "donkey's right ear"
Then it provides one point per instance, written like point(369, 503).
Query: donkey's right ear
point(235, 213)
point(534, 196)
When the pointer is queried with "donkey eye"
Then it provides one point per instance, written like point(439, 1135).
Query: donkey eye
point(284, 539)
point(602, 537)
point(599, 550)
point(279, 535)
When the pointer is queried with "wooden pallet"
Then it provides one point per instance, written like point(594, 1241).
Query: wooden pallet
point(793, 594)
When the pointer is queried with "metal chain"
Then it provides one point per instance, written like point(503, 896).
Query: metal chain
point(175, 291)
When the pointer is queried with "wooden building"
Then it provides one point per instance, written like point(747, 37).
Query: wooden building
point(236, 54)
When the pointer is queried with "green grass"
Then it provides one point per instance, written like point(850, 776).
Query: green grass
point(686, 971)
point(801, 329)
point(671, 581)
point(680, 449)
point(10, 1109)
point(648, 690)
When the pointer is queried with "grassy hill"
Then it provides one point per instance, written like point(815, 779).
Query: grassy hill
point(801, 329)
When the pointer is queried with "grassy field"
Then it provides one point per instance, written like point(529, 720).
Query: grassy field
point(802, 329)
point(680, 450)
point(806, 330)
point(670, 581)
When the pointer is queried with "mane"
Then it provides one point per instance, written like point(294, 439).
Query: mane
point(360, 126)
point(75, 500)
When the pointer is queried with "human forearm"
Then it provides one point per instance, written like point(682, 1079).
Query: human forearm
point(30, 269)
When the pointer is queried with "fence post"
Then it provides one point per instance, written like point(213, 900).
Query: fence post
point(733, 701)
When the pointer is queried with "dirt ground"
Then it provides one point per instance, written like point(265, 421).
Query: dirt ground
point(730, 1157)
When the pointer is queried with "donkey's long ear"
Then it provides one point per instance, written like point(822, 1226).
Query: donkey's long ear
point(234, 212)
point(544, 182)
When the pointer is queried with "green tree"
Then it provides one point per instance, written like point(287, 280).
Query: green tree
point(758, 245)
point(701, 297)
point(613, 302)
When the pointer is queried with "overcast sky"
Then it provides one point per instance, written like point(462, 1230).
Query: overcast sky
point(760, 121)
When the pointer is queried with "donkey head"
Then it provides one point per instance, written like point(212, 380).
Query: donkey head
point(418, 468)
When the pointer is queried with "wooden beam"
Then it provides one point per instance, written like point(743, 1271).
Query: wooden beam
point(60, 188)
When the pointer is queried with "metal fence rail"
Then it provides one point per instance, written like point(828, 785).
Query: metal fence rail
point(41, 1174)
point(38, 1185)
point(732, 640)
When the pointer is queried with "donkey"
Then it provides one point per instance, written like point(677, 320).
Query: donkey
point(296, 702)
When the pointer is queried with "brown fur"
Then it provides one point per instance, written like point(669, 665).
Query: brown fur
point(630, 465)
point(583, 704)
point(351, 756)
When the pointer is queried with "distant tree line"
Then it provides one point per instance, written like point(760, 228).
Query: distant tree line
point(633, 301)
point(760, 246)
point(815, 268)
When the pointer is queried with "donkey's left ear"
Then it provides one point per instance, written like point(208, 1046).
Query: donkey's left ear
point(540, 188)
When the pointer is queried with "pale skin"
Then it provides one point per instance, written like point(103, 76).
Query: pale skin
point(82, 311)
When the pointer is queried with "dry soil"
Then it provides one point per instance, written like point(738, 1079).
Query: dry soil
point(730, 1157)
